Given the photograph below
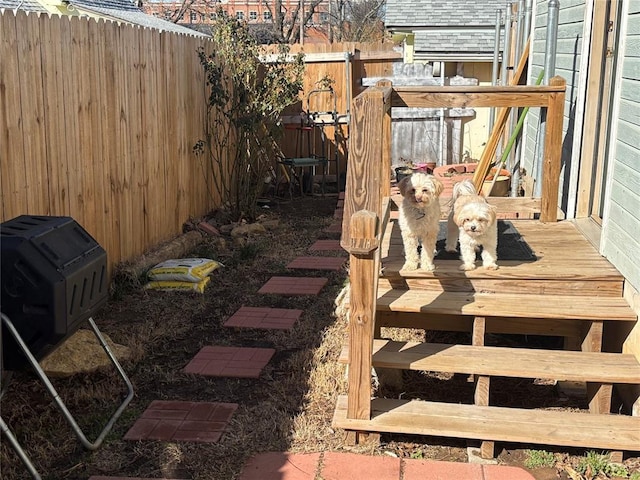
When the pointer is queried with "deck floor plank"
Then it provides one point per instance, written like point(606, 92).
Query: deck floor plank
point(564, 257)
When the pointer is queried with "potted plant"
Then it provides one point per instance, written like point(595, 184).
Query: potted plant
point(409, 167)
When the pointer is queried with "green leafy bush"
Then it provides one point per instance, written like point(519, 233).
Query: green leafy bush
point(247, 97)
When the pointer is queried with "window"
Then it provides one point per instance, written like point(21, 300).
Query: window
point(266, 16)
point(253, 15)
point(240, 15)
point(324, 17)
point(193, 16)
point(213, 16)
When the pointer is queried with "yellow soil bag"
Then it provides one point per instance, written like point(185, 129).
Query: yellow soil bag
point(183, 270)
point(173, 285)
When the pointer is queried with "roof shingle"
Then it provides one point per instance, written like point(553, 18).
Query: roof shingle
point(439, 13)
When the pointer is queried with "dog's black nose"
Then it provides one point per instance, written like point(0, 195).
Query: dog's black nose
point(473, 228)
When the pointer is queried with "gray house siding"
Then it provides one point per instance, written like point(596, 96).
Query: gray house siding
point(621, 229)
point(569, 52)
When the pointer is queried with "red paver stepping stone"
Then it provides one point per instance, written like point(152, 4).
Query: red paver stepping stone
point(281, 466)
point(102, 477)
point(341, 196)
point(317, 263)
point(245, 362)
point(340, 204)
point(326, 245)
point(341, 466)
point(294, 285)
point(339, 213)
point(182, 421)
point(264, 317)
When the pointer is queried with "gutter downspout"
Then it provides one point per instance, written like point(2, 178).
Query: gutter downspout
point(549, 72)
point(496, 62)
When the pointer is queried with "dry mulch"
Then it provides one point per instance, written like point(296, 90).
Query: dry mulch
point(289, 407)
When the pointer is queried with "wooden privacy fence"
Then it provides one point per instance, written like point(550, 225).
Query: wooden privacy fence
point(97, 122)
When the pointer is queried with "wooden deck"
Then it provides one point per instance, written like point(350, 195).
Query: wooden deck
point(566, 264)
point(568, 290)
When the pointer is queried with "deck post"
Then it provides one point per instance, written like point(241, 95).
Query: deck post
point(365, 173)
point(385, 186)
point(552, 153)
point(363, 277)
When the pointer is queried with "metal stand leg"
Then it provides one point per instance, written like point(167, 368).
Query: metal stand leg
point(36, 366)
point(16, 446)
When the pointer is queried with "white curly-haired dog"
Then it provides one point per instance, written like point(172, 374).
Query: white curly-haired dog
point(418, 218)
point(472, 221)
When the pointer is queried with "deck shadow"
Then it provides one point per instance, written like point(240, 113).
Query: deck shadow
point(511, 244)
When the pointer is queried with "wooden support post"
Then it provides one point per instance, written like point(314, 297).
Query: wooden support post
point(592, 337)
point(479, 327)
point(362, 191)
point(385, 185)
point(552, 153)
point(598, 395)
point(481, 397)
point(363, 275)
point(616, 456)
point(482, 382)
point(477, 337)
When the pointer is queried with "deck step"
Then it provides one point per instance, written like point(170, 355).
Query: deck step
point(546, 427)
point(558, 307)
point(505, 362)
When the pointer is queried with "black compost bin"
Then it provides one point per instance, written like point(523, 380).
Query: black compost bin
point(53, 277)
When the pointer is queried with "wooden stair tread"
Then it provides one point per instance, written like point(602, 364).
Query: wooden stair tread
point(547, 427)
point(505, 305)
point(505, 362)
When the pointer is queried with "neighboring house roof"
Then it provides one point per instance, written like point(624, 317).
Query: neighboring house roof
point(28, 5)
point(461, 29)
point(128, 12)
point(119, 10)
point(454, 40)
point(439, 13)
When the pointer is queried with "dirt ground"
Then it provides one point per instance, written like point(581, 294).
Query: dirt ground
point(288, 408)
